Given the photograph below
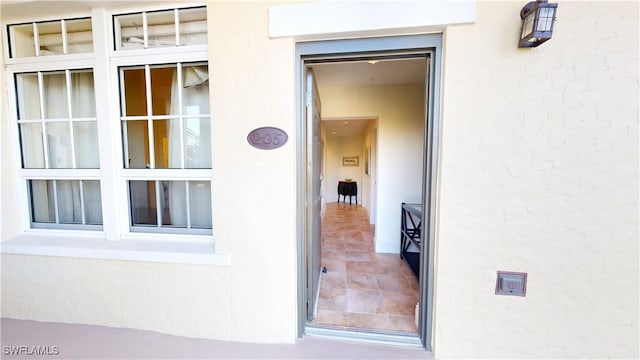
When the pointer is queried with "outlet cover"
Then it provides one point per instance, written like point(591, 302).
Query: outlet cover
point(511, 283)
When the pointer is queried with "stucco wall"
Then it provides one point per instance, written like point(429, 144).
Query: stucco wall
point(188, 300)
point(254, 190)
point(400, 113)
point(539, 173)
point(254, 222)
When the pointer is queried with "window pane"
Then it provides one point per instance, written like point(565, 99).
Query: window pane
point(165, 156)
point(50, 38)
point(42, 201)
point(173, 198)
point(161, 28)
point(69, 203)
point(200, 204)
point(193, 26)
point(136, 145)
point(28, 96)
point(59, 145)
point(135, 95)
point(195, 92)
point(197, 142)
point(22, 43)
point(55, 95)
point(142, 197)
point(85, 134)
point(83, 103)
point(130, 29)
point(79, 36)
point(92, 202)
point(32, 146)
point(164, 93)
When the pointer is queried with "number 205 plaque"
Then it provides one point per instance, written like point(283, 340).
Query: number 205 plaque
point(267, 138)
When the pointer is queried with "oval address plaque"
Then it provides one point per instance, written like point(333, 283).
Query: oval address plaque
point(267, 138)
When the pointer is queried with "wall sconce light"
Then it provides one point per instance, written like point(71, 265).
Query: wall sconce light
point(538, 18)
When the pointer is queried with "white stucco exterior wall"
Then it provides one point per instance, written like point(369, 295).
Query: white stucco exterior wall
point(539, 173)
point(254, 193)
point(254, 298)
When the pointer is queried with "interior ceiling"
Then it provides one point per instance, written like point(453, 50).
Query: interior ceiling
point(363, 73)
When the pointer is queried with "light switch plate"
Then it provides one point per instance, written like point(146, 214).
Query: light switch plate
point(511, 283)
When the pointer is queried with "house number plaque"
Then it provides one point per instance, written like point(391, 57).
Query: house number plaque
point(267, 138)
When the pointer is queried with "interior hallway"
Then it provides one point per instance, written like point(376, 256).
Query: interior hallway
point(362, 289)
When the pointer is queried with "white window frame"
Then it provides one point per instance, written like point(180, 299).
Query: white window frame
point(116, 240)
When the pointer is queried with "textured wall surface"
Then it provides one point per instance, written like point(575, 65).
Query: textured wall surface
point(254, 190)
point(540, 174)
point(187, 300)
point(254, 222)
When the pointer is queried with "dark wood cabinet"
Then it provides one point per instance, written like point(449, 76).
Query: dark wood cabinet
point(410, 236)
point(347, 188)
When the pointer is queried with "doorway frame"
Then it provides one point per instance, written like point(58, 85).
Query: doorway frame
point(393, 46)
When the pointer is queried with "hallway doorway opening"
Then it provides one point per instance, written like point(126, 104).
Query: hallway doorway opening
point(352, 278)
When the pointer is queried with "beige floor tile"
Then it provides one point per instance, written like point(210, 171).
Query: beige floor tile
point(362, 289)
point(369, 321)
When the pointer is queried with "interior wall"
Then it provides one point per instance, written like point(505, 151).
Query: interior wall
point(369, 177)
point(539, 174)
point(400, 113)
point(337, 148)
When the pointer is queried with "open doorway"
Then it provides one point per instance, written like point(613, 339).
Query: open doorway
point(365, 285)
point(352, 276)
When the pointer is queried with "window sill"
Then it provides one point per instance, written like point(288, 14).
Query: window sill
point(178, 251)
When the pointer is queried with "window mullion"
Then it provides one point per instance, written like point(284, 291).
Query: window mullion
point(55, 201)
point(158, 204)
point(147, 77)
point(63, 30)
point(36, 39)
point(45, 142)
point(180, 114)
point(113, 192)
point(81, 186)
point(188, 208)
point(145, 30)
point(67, 74)
point(176, 17)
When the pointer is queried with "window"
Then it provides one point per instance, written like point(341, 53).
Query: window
point(165, 125)
point(57, 129)
point(71, 36)
point(157, 145)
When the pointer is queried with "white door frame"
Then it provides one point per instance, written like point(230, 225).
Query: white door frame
point(394, 46)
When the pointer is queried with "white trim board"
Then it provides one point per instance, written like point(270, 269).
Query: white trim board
point(324, 18)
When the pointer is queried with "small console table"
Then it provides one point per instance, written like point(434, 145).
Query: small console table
point(410, 239)
point(347, 188)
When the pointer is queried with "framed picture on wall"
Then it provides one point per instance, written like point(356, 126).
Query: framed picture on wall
point(350, 161)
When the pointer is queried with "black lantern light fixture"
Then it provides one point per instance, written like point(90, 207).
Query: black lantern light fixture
point(538, 18)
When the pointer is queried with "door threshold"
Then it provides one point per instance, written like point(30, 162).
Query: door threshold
point(363, 335)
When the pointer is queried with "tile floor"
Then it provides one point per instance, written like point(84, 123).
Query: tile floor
point(362, 289)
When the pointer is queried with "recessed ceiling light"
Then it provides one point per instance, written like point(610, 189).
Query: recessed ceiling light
point(346, 122)
point(372, 62)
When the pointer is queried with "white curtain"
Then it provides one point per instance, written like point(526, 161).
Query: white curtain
point(196, 142)
point(58, 134)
